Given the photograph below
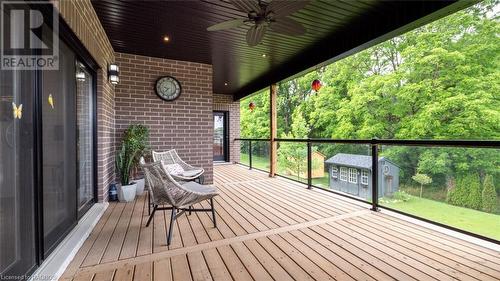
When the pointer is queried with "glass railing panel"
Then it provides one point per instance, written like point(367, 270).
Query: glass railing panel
point(260, 155)
point(292, 160)
point(453, 186)
point(244, 148)
point(339, 168)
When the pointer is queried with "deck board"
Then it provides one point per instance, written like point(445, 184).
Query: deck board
point(274, 229)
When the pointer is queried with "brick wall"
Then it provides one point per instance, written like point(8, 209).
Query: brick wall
point(185, 124)
point(83, 20)
point(226, 103)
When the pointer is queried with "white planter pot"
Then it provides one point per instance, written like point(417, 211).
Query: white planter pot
point(126, 193)
point(139, 189)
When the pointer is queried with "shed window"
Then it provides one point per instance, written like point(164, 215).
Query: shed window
point(335, 172)
point(343, 173)
point(353, 175)
point(364, 177)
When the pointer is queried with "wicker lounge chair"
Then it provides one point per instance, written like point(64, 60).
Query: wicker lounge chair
point(179, 196)
point(184, 171)
point(142, 162)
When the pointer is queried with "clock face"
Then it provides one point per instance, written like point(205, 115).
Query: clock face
point(168, 88)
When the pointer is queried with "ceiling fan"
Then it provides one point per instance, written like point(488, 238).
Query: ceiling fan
point(263, 15)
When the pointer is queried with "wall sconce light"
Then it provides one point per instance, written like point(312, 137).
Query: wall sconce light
point(80, 76)
point(113, 74)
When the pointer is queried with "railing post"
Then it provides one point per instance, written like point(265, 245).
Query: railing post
point(309, 164)
point(250, 154)
point(273, 130)
point(374, 146)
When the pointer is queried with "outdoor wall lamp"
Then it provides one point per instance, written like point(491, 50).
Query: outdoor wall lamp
point(113, 74)
point(80, 76)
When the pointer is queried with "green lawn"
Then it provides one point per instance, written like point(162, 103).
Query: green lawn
point(322, 182)
point(471, 220)
point(262, 163)
point(259, 162)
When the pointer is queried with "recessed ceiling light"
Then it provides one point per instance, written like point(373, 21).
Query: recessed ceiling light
point(166, 38)
point(225, 83)
point(264, 55)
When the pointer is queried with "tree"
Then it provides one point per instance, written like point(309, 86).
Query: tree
point(439, 81)
point(255, 124)
point(466, 193)
point(291, 155)
point(489, 195)
point(422, 179)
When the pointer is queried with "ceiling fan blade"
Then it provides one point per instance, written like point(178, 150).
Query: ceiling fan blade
point(287, 26)
point(283, 8)
point(255, 34)
point(246, 5)
point(226, 25)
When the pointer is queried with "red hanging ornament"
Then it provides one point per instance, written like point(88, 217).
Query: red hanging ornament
point(316, 85)
point(251, 106)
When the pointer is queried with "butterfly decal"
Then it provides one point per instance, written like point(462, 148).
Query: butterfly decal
point(51, 101)
point(17, 111)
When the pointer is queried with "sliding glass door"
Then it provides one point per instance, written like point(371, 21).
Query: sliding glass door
point(47, 157)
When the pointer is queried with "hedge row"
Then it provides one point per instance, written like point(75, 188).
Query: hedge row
point(469, 193)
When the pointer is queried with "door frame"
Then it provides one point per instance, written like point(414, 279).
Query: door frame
point(225, 139)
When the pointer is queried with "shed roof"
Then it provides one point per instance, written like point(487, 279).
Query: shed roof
point(354, 160)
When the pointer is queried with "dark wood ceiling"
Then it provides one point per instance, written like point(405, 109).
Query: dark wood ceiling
point(334, 29)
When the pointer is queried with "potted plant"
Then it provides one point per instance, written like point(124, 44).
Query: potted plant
point(137, 138)
point(124, 160)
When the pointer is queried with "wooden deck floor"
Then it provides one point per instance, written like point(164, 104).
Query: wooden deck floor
point(272, 229)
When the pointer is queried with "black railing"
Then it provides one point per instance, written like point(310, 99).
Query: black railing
point(375, 145)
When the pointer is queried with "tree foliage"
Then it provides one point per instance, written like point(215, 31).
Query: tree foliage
point(439, 81)
point(489, 195)
point(292, 155)
point(422, 179)
point(466, 193)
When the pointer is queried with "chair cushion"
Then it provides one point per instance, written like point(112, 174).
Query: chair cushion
point(192, 173)
point(174, 169)
point(196, 187)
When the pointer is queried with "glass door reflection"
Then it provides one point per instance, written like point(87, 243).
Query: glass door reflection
point(85, 146)
point(59, 149)
point(17, 186)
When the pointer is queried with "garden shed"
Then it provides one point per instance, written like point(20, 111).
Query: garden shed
point(352, 173)
point(318, 166)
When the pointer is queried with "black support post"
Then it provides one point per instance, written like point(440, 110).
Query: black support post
point(374, 146)
point(250, 154)
point(309, 164)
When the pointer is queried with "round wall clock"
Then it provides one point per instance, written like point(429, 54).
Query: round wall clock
point(168, 88)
